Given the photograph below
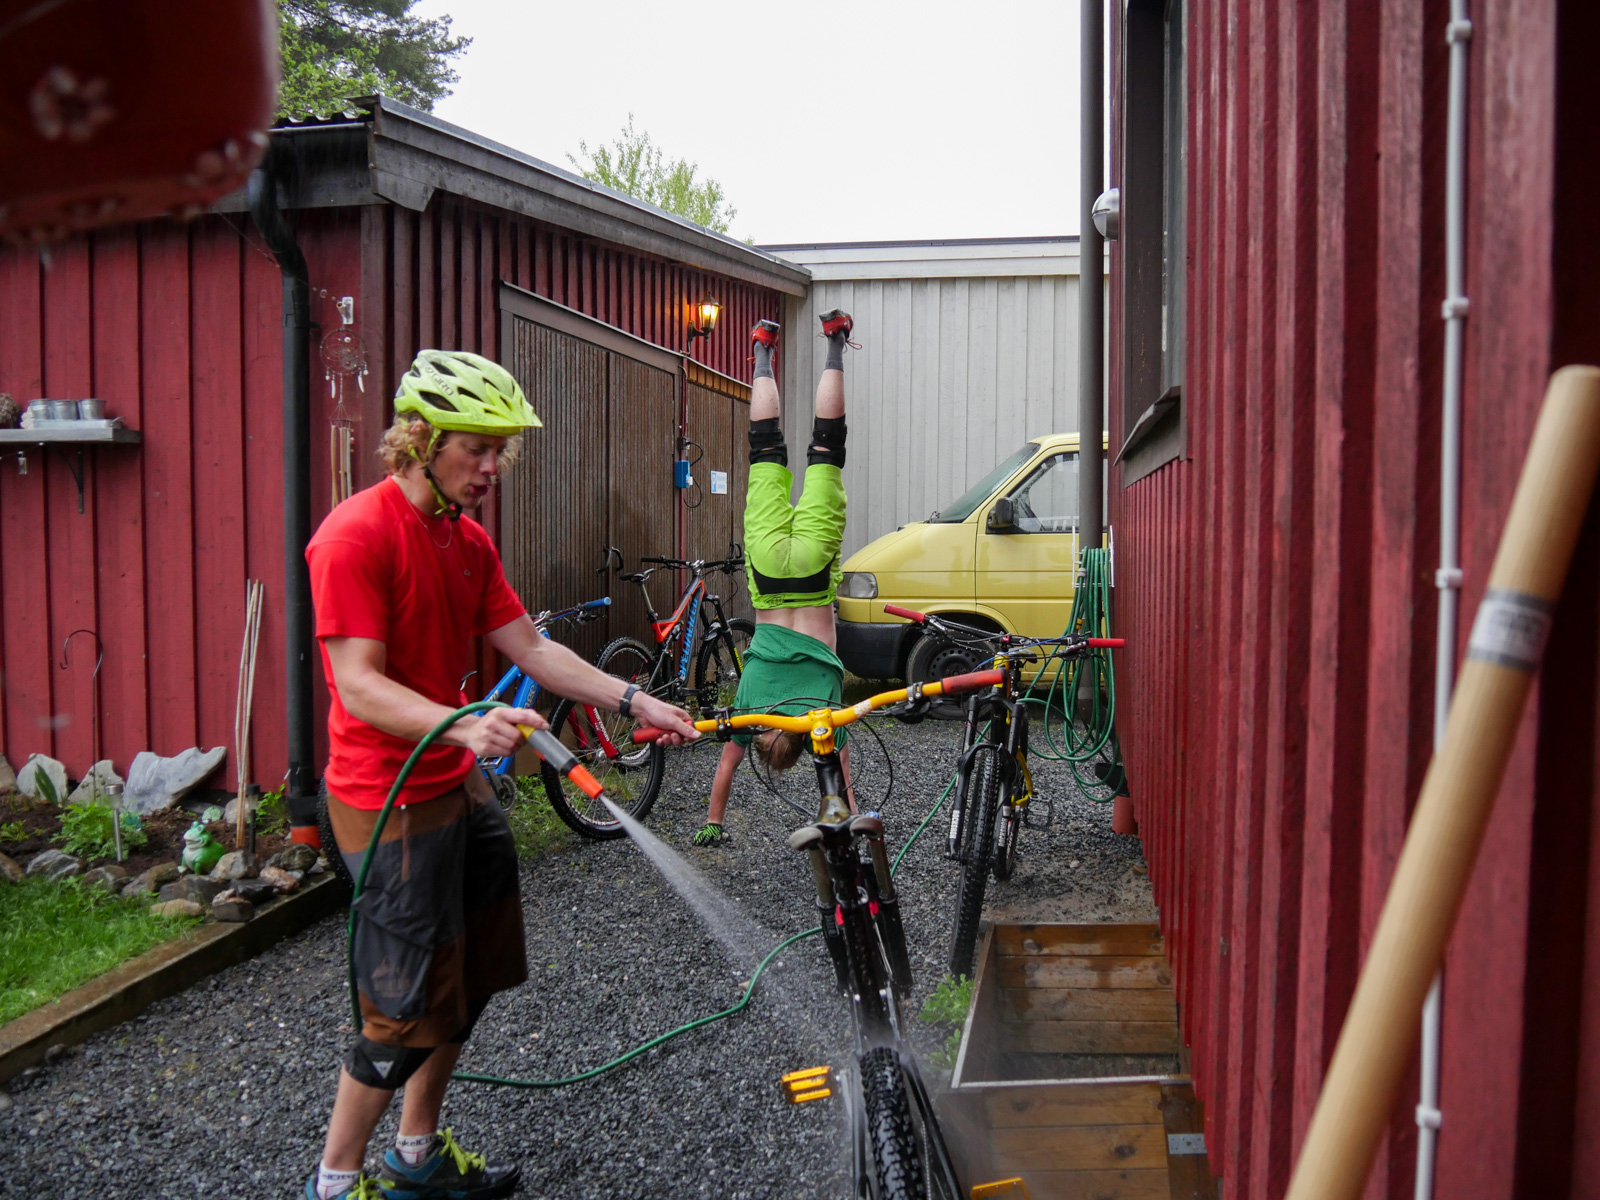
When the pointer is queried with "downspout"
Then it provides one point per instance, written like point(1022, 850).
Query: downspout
point(300, 783)
point(1448, 578)
point(1091, 281)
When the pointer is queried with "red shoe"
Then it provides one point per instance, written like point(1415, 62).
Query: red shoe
point(836, 321)
point(765, 333)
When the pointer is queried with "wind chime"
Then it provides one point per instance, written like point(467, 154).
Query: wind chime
point(344, 357)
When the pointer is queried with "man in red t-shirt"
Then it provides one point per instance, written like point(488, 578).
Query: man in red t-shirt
point(401, 584)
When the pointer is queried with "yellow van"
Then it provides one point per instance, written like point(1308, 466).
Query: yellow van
point(1002, 557)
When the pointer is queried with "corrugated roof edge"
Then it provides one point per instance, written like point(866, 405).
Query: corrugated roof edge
point(912, 243)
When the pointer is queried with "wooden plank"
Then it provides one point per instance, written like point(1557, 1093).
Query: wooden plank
point(1096, 1185)
point(975, 1059)
point(1142, 938)
point(1189, 1175)
point(1030, 1105)
point(1090, 1037)
point(1080, 1148)
point(1103, 972)
point(1088, 1004)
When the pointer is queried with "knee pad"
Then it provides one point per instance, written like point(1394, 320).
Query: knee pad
point(766, 443)
point(474, 1011)
point(385, 1067)
point(827, 442)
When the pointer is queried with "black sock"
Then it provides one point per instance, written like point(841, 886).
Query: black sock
point(836, 352)
point(763, 357)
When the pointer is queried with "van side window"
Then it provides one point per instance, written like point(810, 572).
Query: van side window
point(1047, 501)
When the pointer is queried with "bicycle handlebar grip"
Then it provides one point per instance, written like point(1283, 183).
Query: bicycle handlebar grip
point(970, 682)
point(1109, 643)
point(647, 733)
point(894, 610)
point(653, 558)
point(603, 602)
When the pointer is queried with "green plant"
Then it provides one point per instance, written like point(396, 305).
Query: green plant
point(13, 831)
point(534, 823)
point(637, 166)
point(86, 831)
point(272, 814)
point(948, 1005)
point(330, 50)
point(56, 936)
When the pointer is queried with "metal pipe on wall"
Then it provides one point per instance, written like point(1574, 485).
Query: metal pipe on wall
point(1091, 277)
point(300, 784)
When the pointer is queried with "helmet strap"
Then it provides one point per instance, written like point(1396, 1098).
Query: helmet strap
point(447, 507)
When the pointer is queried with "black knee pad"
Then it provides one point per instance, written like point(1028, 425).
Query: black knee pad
point(827, 442)
point(766, 443)
point(386, 1067)
point(474, 1011)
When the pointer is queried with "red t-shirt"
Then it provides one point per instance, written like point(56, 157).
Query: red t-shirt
point(422, 587)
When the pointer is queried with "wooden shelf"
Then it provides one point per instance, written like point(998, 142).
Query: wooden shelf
point(63, 435)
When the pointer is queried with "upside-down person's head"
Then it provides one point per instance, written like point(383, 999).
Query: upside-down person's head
point(458, 420)
point(779, 750)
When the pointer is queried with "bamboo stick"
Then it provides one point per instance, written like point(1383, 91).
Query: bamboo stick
point(1458, 793)
point(244, 702)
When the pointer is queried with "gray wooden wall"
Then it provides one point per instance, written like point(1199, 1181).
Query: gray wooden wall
point(952, 375)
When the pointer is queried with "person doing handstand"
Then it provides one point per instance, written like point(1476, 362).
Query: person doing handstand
point(792, 564)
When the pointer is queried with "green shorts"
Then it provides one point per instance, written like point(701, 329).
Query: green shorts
point(792, 551)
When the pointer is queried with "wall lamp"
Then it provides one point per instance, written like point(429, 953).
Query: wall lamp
point(703, 318)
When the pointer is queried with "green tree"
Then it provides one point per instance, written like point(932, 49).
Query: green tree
point(636, 165)
point(334, 49)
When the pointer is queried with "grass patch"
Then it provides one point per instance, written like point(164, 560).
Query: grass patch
point(55, 936)
point(534, 823)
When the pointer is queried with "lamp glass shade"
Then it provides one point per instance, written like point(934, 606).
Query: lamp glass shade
point(705, 316)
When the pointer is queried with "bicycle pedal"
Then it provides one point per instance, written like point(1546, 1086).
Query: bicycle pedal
point(1004, 1187)
point(814, 1083)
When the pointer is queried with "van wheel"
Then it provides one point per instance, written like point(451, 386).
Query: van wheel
point(933, 658)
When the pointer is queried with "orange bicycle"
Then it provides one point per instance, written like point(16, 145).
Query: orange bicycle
point(899, 1153)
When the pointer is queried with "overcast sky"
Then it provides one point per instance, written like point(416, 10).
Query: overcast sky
point(823, 122)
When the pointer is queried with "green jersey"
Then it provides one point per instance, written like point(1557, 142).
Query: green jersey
point(790, 673)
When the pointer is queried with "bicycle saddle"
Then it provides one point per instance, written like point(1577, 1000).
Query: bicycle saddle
point(638, 576)
point(822, 833)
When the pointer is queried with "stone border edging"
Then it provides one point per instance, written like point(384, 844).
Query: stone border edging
point(130, 987)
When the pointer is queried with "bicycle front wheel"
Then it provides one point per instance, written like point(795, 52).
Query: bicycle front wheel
point(631, 775)
point(891, 1129)
point(720, 664)
point(983, 812)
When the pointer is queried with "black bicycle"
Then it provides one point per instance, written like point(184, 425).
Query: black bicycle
point(995, 786)
point(898, 1151)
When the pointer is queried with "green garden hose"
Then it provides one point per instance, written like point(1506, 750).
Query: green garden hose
point(469, 1077)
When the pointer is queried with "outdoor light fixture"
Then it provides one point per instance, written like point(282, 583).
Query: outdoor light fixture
point(1107, 213)
point(703, 317)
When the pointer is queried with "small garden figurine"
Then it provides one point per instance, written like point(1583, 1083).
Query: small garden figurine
point(200, 850)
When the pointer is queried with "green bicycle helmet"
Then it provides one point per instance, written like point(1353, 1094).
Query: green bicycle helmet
point(466, 393)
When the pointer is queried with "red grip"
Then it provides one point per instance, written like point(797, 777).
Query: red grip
point(970, 682)
point(647, 733)
point(894, 610)
point(1109, 643)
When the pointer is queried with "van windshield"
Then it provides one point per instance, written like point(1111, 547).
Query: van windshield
point(962, 508)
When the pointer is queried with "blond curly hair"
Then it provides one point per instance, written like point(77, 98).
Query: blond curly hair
point(411, 433)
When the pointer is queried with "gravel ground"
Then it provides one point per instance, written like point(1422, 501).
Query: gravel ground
point(224, 1091)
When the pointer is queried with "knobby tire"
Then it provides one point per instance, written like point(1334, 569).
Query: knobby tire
point(891, 1129)
point(984, 806)
point(721, 659)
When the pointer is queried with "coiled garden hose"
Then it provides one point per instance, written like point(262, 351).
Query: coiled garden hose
point(565, 763)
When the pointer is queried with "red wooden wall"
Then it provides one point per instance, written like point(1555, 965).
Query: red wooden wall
point(1276, 585)
point(179, 329)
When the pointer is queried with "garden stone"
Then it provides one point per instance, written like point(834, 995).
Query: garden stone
point(192, 887)
point(230, 907)
point(10, 871)
point(257, 891)
point(111, 877)
point(177, 908)
point(156, 783)
point(96, 785)
point(8, 776)
point(280, 879)
point(152, 879)
point(235, 864)
point(54, 864)
point(43, 778)
point(298, 857)
point(230, 810)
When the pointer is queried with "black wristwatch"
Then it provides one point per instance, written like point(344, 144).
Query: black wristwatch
point(625, 705)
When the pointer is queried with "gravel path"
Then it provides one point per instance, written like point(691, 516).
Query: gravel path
point(224, 1091)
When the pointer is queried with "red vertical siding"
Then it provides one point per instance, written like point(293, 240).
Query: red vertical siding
point(1276, 584)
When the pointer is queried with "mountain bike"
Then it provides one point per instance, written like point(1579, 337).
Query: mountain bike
point(898, 1152)
point(698, 632)
point(995, 785)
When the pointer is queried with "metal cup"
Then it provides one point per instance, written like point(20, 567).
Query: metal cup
point(39, 410)
point(91, 410)
point(63, 410)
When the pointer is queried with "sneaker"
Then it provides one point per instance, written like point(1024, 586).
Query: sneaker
point(449, 1172)
point(836, 321)
point(710, 834)
point(765, 332)
point(362, 1189)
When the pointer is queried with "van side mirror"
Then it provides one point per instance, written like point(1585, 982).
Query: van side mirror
point(1002, 517)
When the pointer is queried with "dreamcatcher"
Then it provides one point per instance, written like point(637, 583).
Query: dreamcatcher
point(344, 357)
